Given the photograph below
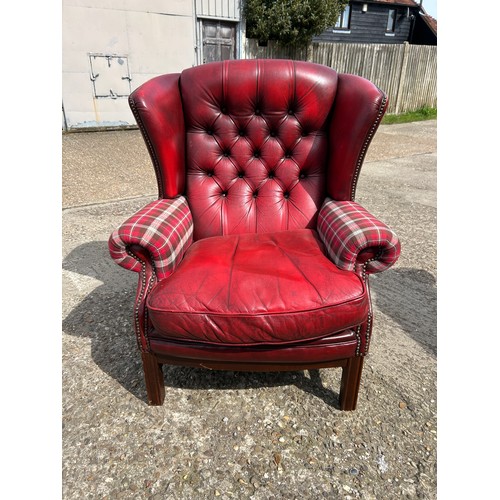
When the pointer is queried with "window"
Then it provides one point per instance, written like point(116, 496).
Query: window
point(391, 21)
point(343, 20)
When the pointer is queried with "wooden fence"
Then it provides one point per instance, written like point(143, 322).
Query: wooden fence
point(407, 73)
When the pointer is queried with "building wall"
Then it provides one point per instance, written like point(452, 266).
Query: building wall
point(370, 26)
point(223, 9)
point(422, 34)
point(151, 38)
point(106, 42)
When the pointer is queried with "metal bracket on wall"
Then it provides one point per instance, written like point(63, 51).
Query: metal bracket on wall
point(110, 76)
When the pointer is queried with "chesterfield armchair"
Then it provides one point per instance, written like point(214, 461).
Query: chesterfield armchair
point(255, 255)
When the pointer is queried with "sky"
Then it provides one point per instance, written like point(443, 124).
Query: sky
point(430, 7)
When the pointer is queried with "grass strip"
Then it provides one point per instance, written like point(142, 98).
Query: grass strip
point(411, 116)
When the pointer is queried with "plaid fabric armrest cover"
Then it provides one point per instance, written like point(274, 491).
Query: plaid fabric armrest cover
point(163, 227)
point(347, 229)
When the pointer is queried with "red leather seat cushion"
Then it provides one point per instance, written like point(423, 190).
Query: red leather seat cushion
point(271, 288)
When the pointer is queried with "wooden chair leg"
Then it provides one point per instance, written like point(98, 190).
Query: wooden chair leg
point(153, 376)
point(349, 385)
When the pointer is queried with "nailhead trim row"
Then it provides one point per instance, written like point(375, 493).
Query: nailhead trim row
point(140, 298)
point(358, 339)
point(368, 333)
point(156, 163)
point(366, 144)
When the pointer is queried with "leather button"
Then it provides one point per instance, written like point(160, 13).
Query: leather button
point(224, 194)
point(241, 133)
point(256, 154)
point(223, 110)
point(272, 133)
point(286, 195)
point(241, 175)
point(226, 153)
point(271, 175)
point(210, 132)
point(255, 194)
point(303, 175)
point(290, 112)
point(257, 111)
point(288, 155)
point(210, 173)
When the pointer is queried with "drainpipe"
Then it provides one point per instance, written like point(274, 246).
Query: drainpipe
point(64, 116)
point(413, 20)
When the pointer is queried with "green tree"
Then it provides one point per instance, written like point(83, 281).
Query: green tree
point(290, 22)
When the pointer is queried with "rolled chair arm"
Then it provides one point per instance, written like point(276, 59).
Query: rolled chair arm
point(354, 236)
point(164, 228)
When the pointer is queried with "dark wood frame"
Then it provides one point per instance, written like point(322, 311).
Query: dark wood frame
point(349, 386)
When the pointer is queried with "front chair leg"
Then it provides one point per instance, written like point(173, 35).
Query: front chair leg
point(349, 385)
point(153, 375)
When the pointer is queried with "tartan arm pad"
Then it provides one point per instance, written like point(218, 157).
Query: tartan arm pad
point(163, 227)
point(347, 229)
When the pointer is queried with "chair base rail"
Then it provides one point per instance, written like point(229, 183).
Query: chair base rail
point(155, 384)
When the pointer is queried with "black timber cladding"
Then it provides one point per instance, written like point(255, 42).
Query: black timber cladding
point(423, 34)
point(370, 26)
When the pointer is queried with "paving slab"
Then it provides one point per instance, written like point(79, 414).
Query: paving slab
point(244, 435)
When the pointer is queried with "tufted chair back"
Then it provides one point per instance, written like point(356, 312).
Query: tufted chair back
point(256, 145)
point(251, 143)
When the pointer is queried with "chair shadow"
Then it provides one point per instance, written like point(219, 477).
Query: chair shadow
point(105, 317)
point(409, 297)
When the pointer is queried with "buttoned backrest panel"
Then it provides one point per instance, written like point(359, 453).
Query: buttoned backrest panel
point(256, 144)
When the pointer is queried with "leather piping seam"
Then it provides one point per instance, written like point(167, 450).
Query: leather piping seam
point(366, 143)
point(156, 162)
point(358, 299)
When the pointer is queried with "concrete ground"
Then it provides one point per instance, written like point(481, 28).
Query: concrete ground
point(238, 435)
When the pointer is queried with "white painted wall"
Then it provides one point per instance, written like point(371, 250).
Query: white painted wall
point(156, 36)
point(222, 9)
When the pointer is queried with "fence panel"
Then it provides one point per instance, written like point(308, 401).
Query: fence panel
point(407, 73)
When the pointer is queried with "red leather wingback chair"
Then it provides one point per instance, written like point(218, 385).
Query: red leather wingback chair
point(255, 256)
